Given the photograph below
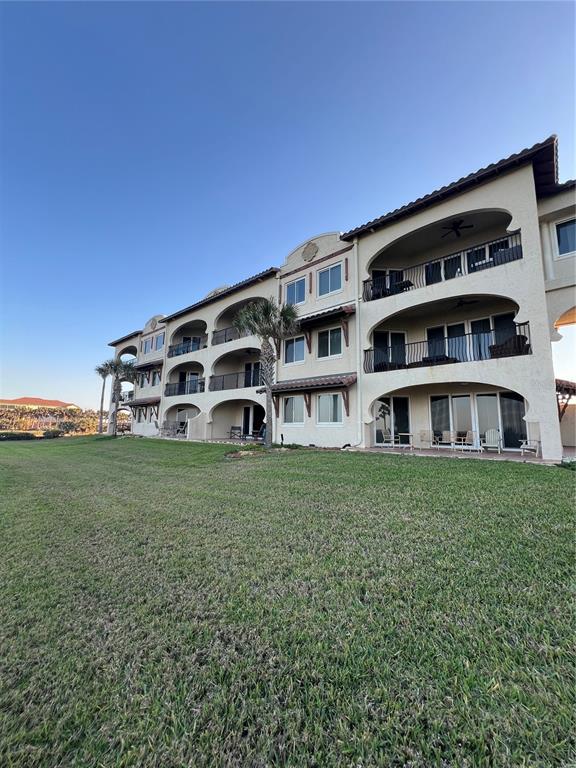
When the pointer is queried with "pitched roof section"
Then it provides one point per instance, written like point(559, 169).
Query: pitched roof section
point(150, 363)
point(326, 314)
point(271, 272)
point(124, 338)
point(39, 402)
point(313, 382)
point(543, 156)
point(565, 387)
point(142, 401)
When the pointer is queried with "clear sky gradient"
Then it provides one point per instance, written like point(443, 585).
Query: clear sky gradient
point(153, 151)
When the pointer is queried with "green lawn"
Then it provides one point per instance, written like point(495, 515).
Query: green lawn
point(162, 605)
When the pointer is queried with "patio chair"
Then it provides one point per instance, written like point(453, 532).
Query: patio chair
point(235, 433)
point(448, 440)
point(491, 441)
point(530, 446)
point(470, 441)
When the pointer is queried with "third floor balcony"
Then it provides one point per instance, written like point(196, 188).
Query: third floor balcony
point(390, 282)
point(443, 251)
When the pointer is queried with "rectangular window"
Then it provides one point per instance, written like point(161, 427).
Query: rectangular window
point(294, 410)
point(296, 291)
point(294, 350)
point(155, 378)
point(329, 409)
point(566, 235)
point(330, 280)
point(147, 346)
point(160, 341)
point(330, 342)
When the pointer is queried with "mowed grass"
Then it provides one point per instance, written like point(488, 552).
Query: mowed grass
point(162, 605)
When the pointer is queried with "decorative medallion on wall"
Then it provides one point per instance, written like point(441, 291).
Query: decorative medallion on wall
point(153, 323)
point(310, 250)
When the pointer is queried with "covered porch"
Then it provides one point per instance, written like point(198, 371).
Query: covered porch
point(454, 418)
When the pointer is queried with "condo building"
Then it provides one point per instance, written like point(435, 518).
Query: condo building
point(431, 325)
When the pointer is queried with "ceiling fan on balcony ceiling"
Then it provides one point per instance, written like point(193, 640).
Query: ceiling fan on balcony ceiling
point(464, 303)
point(455, 226)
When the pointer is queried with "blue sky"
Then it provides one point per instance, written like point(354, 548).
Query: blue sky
point(211, 138)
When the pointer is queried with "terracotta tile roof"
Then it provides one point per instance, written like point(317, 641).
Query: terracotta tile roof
point(272, 271)
point(326, 314)
point(142, 401)
point(565, 387)
point(314, 382)
point(123, 338)
point(150, 363)
point(543, 156)
point(39, 402)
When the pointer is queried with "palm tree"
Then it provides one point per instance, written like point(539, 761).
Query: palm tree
point(120, 371)
point(271, 324)
point(103, 370)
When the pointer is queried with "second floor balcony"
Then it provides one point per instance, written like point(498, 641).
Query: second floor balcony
point(442, 350)
point(190, 387)
point(236, 380)
point(227, 334)
point(386, 281)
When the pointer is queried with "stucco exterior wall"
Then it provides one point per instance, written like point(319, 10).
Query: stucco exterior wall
point(539, 287)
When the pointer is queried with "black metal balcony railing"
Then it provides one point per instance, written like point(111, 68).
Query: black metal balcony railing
point(235, 380)
point(227, 334)
point(467, 348)
point(187, 346)
point(475, 259)
point(190, 387)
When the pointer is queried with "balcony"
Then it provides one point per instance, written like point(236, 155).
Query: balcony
point(190, 387)
point(473, 259)
point(238, 380)
point(126, 397)
point(227, 334)
point(174, 350)
point(468, 348)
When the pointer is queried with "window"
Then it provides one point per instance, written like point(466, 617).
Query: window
point(329, 409)
point(142, 380)
point(330, 280)
point(294, 410)
point(296, 291)
point(566, 236)
point(160, 341)
point(294, 350)
point(330, 342)
point(147, 346)
point(155, 378)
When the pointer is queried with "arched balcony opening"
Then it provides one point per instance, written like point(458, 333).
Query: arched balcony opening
point(127, 354)
point(241, 419)
point(188, 337)
point(462, 329)
point(236, 370)
point(467, 416)
point(450, 248)
point(224, 329)
point(185, 379)
point(176, 418)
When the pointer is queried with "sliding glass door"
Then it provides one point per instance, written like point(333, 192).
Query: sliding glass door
point(502, 411)
point(488, 417)
point(512, 411)
point(392, 421)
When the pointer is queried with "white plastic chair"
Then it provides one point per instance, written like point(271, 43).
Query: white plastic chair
point(491, 441)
